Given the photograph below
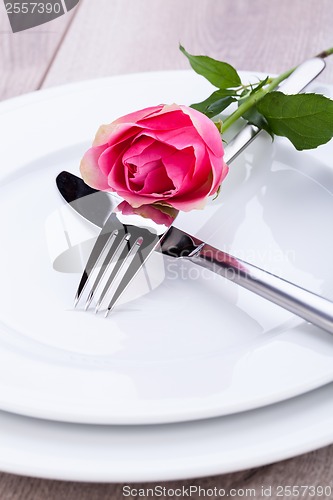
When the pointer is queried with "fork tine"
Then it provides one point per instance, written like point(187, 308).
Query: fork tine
point(140, 257)
point(119, 240)
point(103, 239)
point(127, 251)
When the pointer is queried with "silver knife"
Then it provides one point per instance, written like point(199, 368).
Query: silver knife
point(177, 243)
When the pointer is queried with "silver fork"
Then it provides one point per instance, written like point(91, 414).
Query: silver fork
point(177, 244)
point(120, 251)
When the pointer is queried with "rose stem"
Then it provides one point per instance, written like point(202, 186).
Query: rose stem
point(254, 98)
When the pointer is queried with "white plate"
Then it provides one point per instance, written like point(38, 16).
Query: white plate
point(165, 452)
point(198, 346)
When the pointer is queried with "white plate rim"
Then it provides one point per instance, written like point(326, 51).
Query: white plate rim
point(121, 454)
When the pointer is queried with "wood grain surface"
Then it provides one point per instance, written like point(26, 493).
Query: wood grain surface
point(107, 37)
point(26, 57)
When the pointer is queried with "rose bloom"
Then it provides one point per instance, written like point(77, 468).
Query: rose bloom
point(163, 155)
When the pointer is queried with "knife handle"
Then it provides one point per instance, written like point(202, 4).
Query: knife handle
point(304, 74)
point(303, 303)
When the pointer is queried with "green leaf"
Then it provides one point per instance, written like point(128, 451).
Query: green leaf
point(252, 115)
point(216, 103)
point(305, 119)
point(222, 75)
point(260, 85)
point(255, 118)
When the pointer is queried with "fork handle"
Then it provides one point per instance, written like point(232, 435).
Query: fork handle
point(303, 303)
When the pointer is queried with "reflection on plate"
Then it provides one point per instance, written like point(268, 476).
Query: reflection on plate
point(197, 346)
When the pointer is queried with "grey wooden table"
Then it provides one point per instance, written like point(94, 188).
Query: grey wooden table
point(107, 37)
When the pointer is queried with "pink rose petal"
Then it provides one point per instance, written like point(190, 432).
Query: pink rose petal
point(206, 129)
point(91, 173)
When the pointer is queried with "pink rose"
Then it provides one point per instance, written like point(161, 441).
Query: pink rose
point(165, 154)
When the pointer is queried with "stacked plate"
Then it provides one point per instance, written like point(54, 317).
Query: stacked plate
point(190, 377)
